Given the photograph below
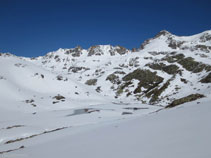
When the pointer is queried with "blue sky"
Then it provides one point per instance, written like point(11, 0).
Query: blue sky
point(34, 27)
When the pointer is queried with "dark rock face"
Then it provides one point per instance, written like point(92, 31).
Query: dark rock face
point(173, 58)
point(143, 76)
point(113, 78)
point(121, 50)
point(91, 82)
point(174, 44)
point(183, 80)
point(156, 66)
point(59, 77)
point(194, 66)
point(98, 89)
point(134, 62)
point(59, 97)
point(183, 100)
point(112, 52)
point(170, 69)
point(77, 69)
point(76, 52)
point(95, 50)
point(144, 44)
point(207, 79)
point(199, 47)
point(203, 48)
point(155, 93)
point(188, 63)
point(29, 101)
point(119, 72)
point(147, 79)
point(57, 59)
point(154, 53)
point(121, 88)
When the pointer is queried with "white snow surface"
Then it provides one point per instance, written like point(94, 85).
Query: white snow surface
point(181, 132)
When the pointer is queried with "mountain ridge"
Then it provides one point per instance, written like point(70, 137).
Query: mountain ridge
point(166, 57)
point(161, 33)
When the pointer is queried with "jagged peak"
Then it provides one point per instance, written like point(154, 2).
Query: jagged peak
point(108, 46)
point(163, 32)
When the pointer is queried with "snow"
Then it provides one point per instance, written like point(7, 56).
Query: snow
point(87, 123)
point(180, 132)
point(22, 81)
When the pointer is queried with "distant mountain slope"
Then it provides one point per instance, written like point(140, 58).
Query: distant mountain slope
point(164, 68)
point(25, 83)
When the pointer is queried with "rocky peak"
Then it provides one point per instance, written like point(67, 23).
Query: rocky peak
point(121, 50)
point(95, 50)
point(169, 41)
point(75, 52)
point(106, 49)
point(163, 33)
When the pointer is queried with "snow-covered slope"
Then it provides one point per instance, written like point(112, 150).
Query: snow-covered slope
point(72, 95)
point(182, 132)
point(25, 83)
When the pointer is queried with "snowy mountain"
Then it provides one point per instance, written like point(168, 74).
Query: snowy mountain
point(70, 94)
point(164, 68)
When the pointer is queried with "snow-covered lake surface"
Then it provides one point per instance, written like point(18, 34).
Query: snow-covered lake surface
point(178, 132)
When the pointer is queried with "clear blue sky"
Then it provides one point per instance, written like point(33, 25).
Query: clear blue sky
point(35, 27)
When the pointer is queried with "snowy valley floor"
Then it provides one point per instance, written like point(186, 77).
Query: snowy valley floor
point(183, 131)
